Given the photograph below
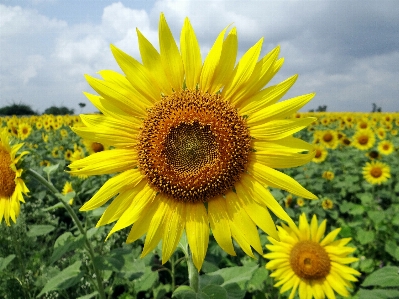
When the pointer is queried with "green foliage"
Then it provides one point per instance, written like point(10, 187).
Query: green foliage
point(17, 109)
point(54, 110)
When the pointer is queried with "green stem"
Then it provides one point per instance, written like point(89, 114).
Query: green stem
point(193, 274)
point(90, 250)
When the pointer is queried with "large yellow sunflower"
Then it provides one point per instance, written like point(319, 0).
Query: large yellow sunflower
point(376, 172)
point(11, 184)
point(195, 144)
point(363, 139)
point(303, 261)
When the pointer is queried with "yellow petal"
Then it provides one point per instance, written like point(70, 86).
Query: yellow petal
point(170, 56)
point(258, 213)
point(225, 66)
point(191, 55)
point(259, 77)
point(276, 179)
point(197, 231)
point(330, 237)
point(120, 182)
point(313, 229)
point(281, 159)
point(219, 222)
point(106, 162)
point(279, 110)
point(264, 197)
point(138, 76)
point(152, 61)
point(242, 223)
point(140, 227)
point(211, 62)
point(137, 207)
point(279, 129)
point(242, 73)
point(286, 145)
point(266, 97)
point(173, 228)
point(123, 98)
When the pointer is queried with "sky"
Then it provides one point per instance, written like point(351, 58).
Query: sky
point(345, 51)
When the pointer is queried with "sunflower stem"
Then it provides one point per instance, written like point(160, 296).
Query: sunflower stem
point(193, 274)
point(89, 248)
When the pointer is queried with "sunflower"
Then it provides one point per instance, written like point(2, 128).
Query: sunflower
point(11, 184)
point(195, 143)
point(68, 189)
point(363, 139)
point(328, 175)
point(24, 131)
point(303, 262)
point(376, 172)
point(329, 138)
point(321, 153)
point(385, 147)
point(327, 204)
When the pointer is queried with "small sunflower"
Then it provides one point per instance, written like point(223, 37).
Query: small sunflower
point(194, 143)
point(327, 204)
point(376, 172)
point(329, 138)
point(300, 202)
point(320, 153)
point(363, 139)
point(11, 184)
point(328, 175)
point(24, 131)
point(68, 189)
point(302, 261)
point(385, 147)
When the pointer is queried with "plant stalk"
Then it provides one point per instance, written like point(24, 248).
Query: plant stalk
point(90, 250)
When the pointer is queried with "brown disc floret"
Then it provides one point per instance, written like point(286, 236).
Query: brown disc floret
point(193, 146)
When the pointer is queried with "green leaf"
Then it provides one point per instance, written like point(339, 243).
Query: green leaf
point(146, 281)
point(239, 275)
point(376, 216)
point(91, 295)
point(65, 279)
point(56, 206)
point(378, 294)
point(66, 242)
point(258, 279)
point(392, 248)
point(4, 261)
point(214, 292)
point(50, 169)
point(184, 292)
point(364, 236)
point(39, 230)
point(365, 198)
point(356, 209)
point(384, 277)
point(234, 291)
point(366, 265)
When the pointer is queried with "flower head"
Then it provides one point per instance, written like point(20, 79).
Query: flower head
point(11, 184)
point(305, 262)
point(194, 143)
point(376, 172)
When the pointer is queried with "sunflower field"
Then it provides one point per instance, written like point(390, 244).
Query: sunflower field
point(53, 250)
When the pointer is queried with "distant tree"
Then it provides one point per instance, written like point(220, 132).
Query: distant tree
point(311, 110)
point(58, 110)
point(321, 108)
point(82, 105)
point(17, 109)
point(376, 108)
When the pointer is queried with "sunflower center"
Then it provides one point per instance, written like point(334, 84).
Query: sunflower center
point(327, 137)
point(376, 172)
point(97, 147)
point(7, 183)
point(309, 260)
point(386, 147)
point(318, 153)
point(193, 146)
point(363, 140)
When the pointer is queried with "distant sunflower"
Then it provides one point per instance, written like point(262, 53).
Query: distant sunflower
point(328, 175)
point(327, 204)
point(385, 147)
point(194, 143)
point(329, 138)
point(363, 139)
point(376, 172)
point(68, 189)
point(12, 186)
point(320, 153)
point(302, 261)
point(24, 131)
